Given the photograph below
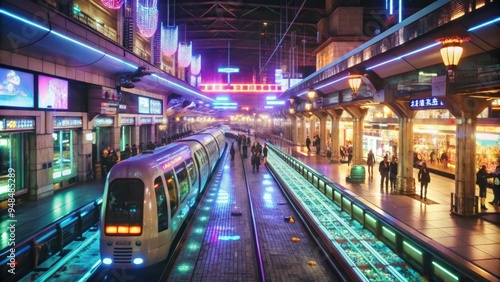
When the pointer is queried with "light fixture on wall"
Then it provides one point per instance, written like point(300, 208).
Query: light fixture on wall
point(311, 94)
point(354, 84)
point(451, 52)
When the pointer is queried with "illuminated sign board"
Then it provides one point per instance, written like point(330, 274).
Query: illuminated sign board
point(241, 88)
point(65, 122)
point(424, 103)
point(104, 121)
point(228, 70)
point(16, 124)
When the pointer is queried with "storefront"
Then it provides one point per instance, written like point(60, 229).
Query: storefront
point(161, 129)
point(145, 131)
point(65, 163)
point(126, 132)
point(104, 129)
point(15, 135)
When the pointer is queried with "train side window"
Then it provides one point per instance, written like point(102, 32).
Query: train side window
point(191, 170)
point(182, 178)
point(161, 204)
point(172, 192)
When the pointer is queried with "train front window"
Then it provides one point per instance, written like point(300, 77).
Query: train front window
point(124, 207)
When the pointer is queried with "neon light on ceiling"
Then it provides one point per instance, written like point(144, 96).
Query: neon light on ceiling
point(484, 24)
point(14, 16)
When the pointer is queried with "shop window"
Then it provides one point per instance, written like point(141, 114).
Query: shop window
point(63, 155)
point(11, 164)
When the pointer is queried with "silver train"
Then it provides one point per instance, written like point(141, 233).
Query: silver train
point(147, 198)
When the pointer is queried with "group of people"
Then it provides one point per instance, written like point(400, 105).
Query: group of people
point(482, 181)
point(109, 158)
point(389, 172)
point(257, 151)
point(316, 143)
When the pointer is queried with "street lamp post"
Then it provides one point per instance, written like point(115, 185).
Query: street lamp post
point(451, 52)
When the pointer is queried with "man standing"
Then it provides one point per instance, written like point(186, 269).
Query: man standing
point(308, 144)
point(384, 169)
point(393, 173)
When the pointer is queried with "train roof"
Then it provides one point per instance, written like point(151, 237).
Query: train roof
point(149, 162)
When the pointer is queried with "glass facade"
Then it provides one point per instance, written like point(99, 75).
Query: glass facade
point(11, 163)
point(64, 164)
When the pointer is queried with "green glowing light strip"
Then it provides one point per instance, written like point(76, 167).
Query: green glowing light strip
point(389, 231)
point(445, 270)
point(370, 218)
point(413, 248)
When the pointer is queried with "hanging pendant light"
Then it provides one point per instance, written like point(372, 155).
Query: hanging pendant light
point(184, 55)
point(146, 20)
point(196, 65)
point(112, 4)
point(169, 39)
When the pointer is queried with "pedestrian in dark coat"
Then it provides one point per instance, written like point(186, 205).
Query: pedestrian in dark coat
point(424, 178)
point(482, 181)
point(384, 169)
point(232, 151)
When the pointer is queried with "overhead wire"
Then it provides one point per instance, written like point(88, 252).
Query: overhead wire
point(283, 37)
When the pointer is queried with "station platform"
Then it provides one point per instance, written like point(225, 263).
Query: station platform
point(473, 238)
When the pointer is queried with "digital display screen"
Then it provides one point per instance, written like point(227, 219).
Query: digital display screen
point(155, 107)
point(143, 105)
point(52, 93)
point(16, 88)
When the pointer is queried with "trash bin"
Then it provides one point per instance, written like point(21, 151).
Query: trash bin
point(357, 174)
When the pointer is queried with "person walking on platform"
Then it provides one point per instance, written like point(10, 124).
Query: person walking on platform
point(232, 151)
point(350, 151)
point(384, 169)
point(424, 178)
point(244, 150)
point(444, 159)
point(264, 154)
point(318, 144)
point(393, 173)
point(134, 150)
point(255, 161)
point(308, 144)
point(370, 162)
point(496, 187)
point(482, 181)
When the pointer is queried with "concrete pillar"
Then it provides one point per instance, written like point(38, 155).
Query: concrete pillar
point(335, 129)
point(465, 170)
point(294, 130)
point(357, 127)
point(41, 157)
point(405, 182)
point(322, 134)
point(303, 131)
point(84, 155)
point(358, 114)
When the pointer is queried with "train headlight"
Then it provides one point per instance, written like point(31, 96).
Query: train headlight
point(138, 243)
point(107, 261)
point(138, 261)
